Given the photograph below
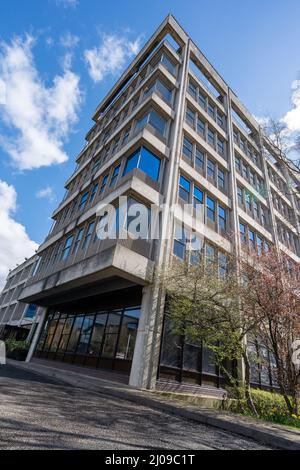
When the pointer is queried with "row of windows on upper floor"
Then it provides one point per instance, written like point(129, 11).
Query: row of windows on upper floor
point(250, 239)
point(142, 159)
point(157, 85)
point(205, 164)
point(77, 243)
point(250, 175)
point(12, 294)
point(207, 104)
point(277, 181)
point(246, 147)
point(205, 131)
point(190, 247)
point(288, 238)
point(249, 203)
point(150, 119)
point(166, 92)
point(284, 209)
point(19, 276)
point(215, 215)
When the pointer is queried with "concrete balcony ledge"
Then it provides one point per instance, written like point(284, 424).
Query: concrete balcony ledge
point(116, 262)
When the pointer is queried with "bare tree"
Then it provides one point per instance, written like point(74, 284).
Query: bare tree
point(285, 146)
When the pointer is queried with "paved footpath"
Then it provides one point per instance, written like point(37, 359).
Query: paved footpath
point(42, 413)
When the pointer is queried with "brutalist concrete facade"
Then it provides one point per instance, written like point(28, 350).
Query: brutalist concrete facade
point(172, 109)
point(17, 318)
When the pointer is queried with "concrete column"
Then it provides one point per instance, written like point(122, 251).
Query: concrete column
point(43, 313)
point(142, 351)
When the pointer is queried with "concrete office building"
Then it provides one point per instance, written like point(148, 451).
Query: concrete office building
point(17, 318)
point(170, 130)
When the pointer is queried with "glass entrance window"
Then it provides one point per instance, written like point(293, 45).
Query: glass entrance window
point(97, 335)
point(111, 334)
point(97, 339)
point(127, 335)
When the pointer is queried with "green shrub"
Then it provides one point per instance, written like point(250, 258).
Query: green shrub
point(12, 344)
point(270, 406)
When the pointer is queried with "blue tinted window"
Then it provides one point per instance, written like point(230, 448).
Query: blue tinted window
point(144, 160)
point(132, 162)
point(184, 188)
point(210, 208)
point(149, 163)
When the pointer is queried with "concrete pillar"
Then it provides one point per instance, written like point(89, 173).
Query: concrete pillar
point(142, 351)
point(43, 313)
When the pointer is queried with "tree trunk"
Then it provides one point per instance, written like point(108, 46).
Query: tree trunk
point(247, 384)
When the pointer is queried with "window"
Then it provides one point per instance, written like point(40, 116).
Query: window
point(200, 127)
point(164, 90)
point(168, 64)
point(198, 196)
point(259, 243)
point(192, 90)
point(146, 161)
point(221, 179)
point(211, 109)
point(83, 200)
point(263, 217)
point(93, 193)
point(243, 233)
point(222, 218)
point(190, 116)
point(211, 137)
point(220, 119)
point(202, 101)
point(78, 240)
point(210, 254)
point(96, 166)
point(88, 235)
point(255, 209)
point(210, 208)
point(157, 122)
point(240, 195)
point(67, 248)
point(244, 172)
point(238, 164)
point(199, 159)
point(103, 184)
point(126, 136)
point(222, 262)
point(220, 146)
point(251, 178)
point(248, 201)
point(187, 148)
point(115, 176)
point(211, 169)
point(184, 189)
point(179, 248)
point(251, 239)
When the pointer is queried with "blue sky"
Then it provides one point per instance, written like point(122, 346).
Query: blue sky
point(57, 50)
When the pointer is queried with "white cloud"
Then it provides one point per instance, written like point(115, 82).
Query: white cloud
point(292, 117)
point(110, 56)
point(14, 241)
point(46, 193)
point(69, 41)
point(67, 3)
point(40, 116)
